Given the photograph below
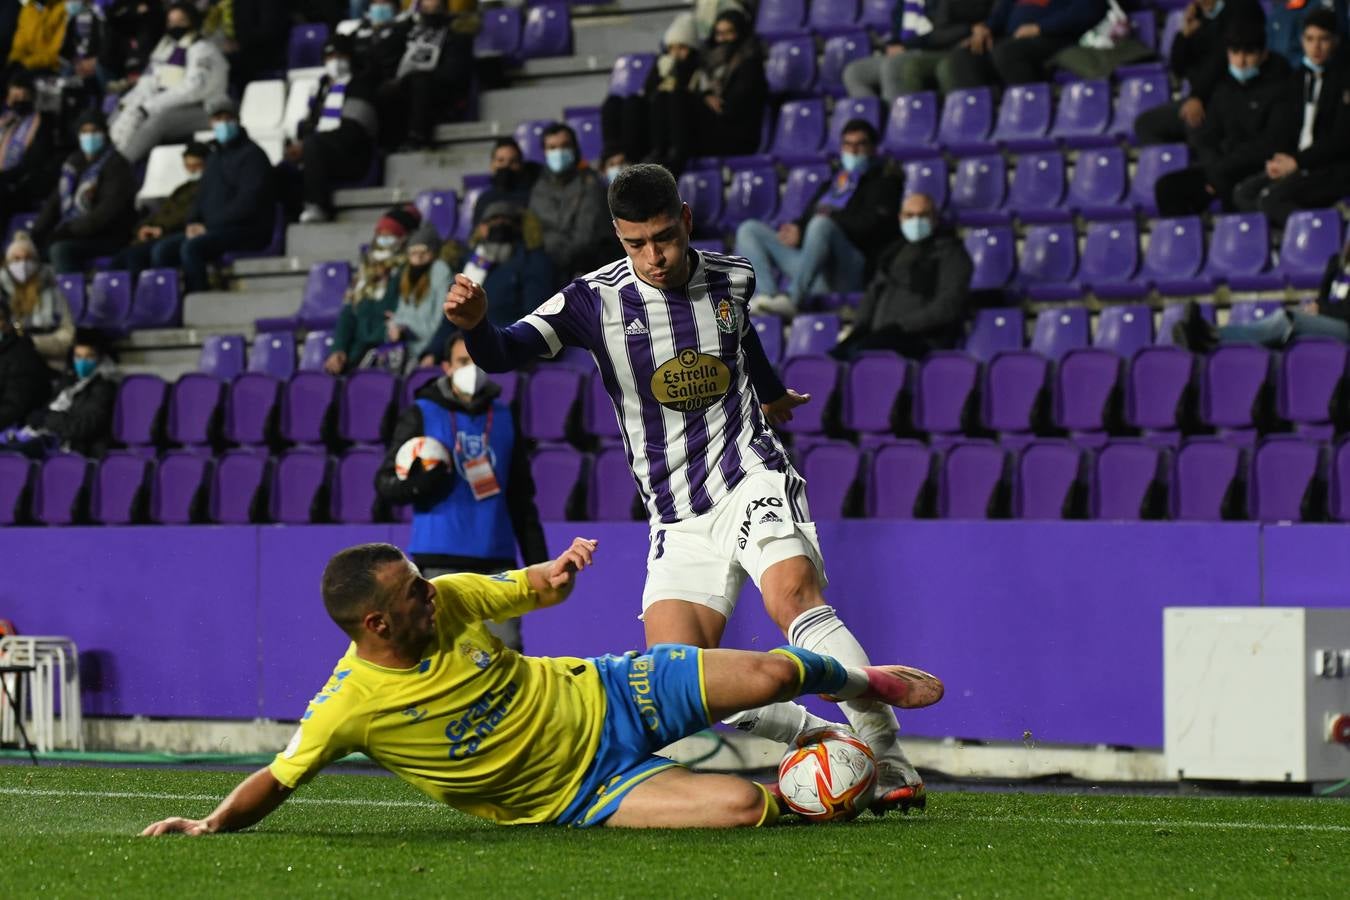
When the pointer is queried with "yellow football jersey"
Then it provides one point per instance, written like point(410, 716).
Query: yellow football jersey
point(475, 724)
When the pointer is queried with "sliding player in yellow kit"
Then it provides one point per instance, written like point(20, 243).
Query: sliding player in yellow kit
point(428, 693)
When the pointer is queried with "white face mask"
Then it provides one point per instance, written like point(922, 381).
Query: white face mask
point(338, 68)
point(23, 269)
point(468, 380)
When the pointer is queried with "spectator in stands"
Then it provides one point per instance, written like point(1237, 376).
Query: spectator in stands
point(379, 40)
point(25, 382)
point(646, 122)
point(91, 211)
point(914, 53)
point(1199, 57)
point(571, 205)
point(133, 30)
point(235, 208)
point(39, 36)
point(337, 139)
point(474, 516)
point(433, 76)
point(169, 218)
point(1312, 169)
point(415, 296)
point(169, 102)
point(1241, 129)
point(1103, 48)
point(732, 94)
point(1284, 25)
point(39, 310)
point(512, 178)
point(27, 169)
point(919, 298)
point(361, 324)
point(79, 418)
point(833, 246)
point(85, 37)
point(1015, 44)
point(261, 31)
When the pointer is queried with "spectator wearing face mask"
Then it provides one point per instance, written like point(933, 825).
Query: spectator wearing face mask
point(39, 36)
point(732, 93)
point(512, 178)
point(476, 514)
point(85, 37)
point(40, 310)
point(572, 207)
point(169, 218)
point(91, 211)
point(642, 125)
point(26, 146)
point(415, 296)
point(133, 30)
point(361, 324)
point(170, 99)
point(79, 418)
point(378, 40)
point(432, 79)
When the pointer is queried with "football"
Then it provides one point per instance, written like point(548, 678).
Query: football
point(431, 451)
point(828, 775)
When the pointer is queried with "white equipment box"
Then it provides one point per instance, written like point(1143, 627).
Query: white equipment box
point(1257, 694)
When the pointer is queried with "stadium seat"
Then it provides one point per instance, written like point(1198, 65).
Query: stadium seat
point(629, 75)
point(585, 121)
point(511, 384)
point(250, 402)
point(1060, 330)
point(927, 176)
point(157, 302)
point(1245, 312)
point(16, 484)
point(550, 397)
point(831, 471)
point(945, 395)
point(967, 119)
point(597, 412)
point(235, 487)
point(297, 490)
point(1235, 390)
point(164, 172)
point(222, 355)
point(137, 411)
point(876, 15)
point(468, 199)
point(318, 345)
point(71, 286)
point(770, 331)
point(117, 491)
point(912, 126)
point(353, 498)
point(1124, 329)
point(108, 302)
point(611, 493)
point(1311, 384)
point(1176, 312)
point(440, 208)
point(790, 66)
point(1137, 94)
point(1207, 480)
point(803, 182)
point(800, 135)
point(832, 16)
point(898, 479)
point(1036, 191)
point(815, 333)
point(1087, 394)
point(1338, 508)
point(530, 136)
point(813, 374)
point(1111, 259)
point(1171, 28)
point(753, 194)
point(1097, 188)
point(500, 34)
point(1083, 114)
point(775, 18)
point(1160, 393)
point(1024, 117)
point(1128, 481)
point(416, 380)
point(995, 330)
point(1287, 480)
point(702, 190)
point(1239, 245)
point(366, 406)
point(307, 408)
point(305, 48)
point(178, 488)
point(993, 255)
point(1015, 395)
point(273, 353)
point(845, 110)
point(1174, 256)
point(978, 190)
point(194, 405)
point(558, 470)
point(298, 100)
point(839, 51)
point(1144, 28)
point(1049, 260)
point(873, 395)
point(970, 481)
point(1311, 237)
point(547, 31)
point(262, 108)
point(1154, 162)
point(59, 494)
point(1047, 480)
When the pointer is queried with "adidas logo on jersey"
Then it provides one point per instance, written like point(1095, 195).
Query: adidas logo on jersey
point(635, 327)
point(769, 517)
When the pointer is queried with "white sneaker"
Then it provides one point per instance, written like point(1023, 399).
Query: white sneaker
point(313, 213)
point(773, 305)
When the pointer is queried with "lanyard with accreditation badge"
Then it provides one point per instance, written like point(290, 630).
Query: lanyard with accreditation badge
point(478, 470)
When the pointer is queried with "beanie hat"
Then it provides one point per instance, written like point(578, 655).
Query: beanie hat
point(399, 220)
point(427, 236)
point(681, 31)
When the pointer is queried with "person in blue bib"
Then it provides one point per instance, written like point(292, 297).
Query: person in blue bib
point(473, 516)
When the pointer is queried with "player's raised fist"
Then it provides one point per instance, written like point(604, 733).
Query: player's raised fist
point(466, 303)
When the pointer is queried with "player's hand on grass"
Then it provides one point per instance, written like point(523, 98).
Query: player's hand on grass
point(780, 410)
point(177, 825)
point(575, 558)
point(466, 304)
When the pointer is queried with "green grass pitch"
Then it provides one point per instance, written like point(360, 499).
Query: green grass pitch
point(71, 832)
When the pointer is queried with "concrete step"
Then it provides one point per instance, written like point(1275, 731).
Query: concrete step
point(177, 338)
point(468, 132)
point(379, 197)
point(235, 308)
point(331, 240)
point(439, 169)
point(565, 65)
point(272, 282)
point(581, 11)
point(632, 32)
point(544, 99)
point(361, 215)
point(167, 364)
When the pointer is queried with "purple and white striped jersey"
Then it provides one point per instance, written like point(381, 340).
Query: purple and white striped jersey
point(675, 364)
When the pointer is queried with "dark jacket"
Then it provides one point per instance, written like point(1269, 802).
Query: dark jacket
point(237, 188)
point(951, 20)
point(1330, 148)
point(87, 425)
point(574, 212)
point(1057, 18)
point(514, 287)
point(519, 493)
point(923, 287)
point(25, 380)
point(1242, 126)
point(90, 43)
point(1329, 299)
point(130, 35)
point(1202, 58)
point(361, 326)
point(745, 94)
point(262, 29)
point(111, 212)
point(870, 216)
point(379, 49)
point(172, 213)
point(33, 175)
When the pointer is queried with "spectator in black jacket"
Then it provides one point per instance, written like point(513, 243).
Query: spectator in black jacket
point(1241, 129)
point(169, 217)
point(27, 170)
point(1312, 168)
point(629, 125)
point(83, 44)
point(25, 381)
point(432, 80)
point(1015, 44)
point(1198, 56)
point(914, 64)
point(261, 31)
point(133, 28)
point(833, 246)
point(91, 211)
point(235, 207)
point(338, 137)
point(919, 297)
point(380, 40)
point(79, 417)
point(512, 178)
point(728, 97)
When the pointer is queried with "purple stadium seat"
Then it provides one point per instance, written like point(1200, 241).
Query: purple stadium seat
point(1171, 28)
point(136, 414)
point(780, 17)
point(1234, 390)
point(500, 33)
point(417, 379)
point(557, 470)
point(1311, 237)
point(1058, 331)
point(546, 407)
point(178, 490)
point(467, 201)
point(1047, 480)
point(753, 195)
point(831, 471)
point(510, 383)
point(597, 412)
point(317, 346)
point(978, 189)
point(927, 176)
point(1176, 312)
point(325, 288)
point(1244, 312)
point(1127, 481)
point(1144, 27)
point(1024, 118)
point(117, 491)
point(1097, 189)
point(307, 408)
point(898, 478)
point(1285, 481)
point(1311, 380)
point(790, 66)
point(611, 492)
point(1137, 94)
point(970, 478)
point(1110, 260)
point(874, 387)
point(297, 490)
point(530, 136)
point(1124, 329)
point(273, 353)
point(945, 394)
point(71, 286)
point(1048, 262)
point(1087, 394)
point(770, 331)
point(992, 252)
point(1036, 191)
point(1172, 261)
point(845, 110)
point(994, 331)
point(1154, 162)
point(366, 406)
point(250, 403)
point(16, 483)
point(799, 190)
point(876, 14)
point(814, 333)
point(1339, 505)
point(702, 190)
point(305, 48)
point(800, 135)
point(108, 303)
point(967, 119)
point(353, 497)
point(235, 486)
point(547, 31)
point(222, 356)
point(839, 51)
point(1160, 393)
point(274, 247)
point(59, 493)
point(912, 126)
point(440, 208)
point(1239, 245)
point(157, 303)
point(1014, 395)
point(832, 16)
point(585, 121)
point(1083, 114)
point(1207, 477)
point(629, 75)
point(818, 376)
point(194, 401)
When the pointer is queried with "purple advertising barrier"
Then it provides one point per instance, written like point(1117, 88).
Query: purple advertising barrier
point(1307, 565)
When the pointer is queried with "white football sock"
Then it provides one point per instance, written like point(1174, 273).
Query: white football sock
point(780, 722)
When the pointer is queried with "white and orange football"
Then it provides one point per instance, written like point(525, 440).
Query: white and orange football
point(828, 775)
point(429, 450)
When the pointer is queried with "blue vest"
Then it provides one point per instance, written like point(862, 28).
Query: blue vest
point(460, 525)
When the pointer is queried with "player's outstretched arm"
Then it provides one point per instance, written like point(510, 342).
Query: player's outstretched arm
point(493, 349)
point(248, 804)
point(553, 580)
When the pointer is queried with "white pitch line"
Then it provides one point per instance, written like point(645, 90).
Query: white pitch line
point(137, 795)
point(1165, 823)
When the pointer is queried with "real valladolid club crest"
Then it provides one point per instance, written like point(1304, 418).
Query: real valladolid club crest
point(728, 319)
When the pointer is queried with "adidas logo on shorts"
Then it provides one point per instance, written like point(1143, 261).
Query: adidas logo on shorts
point(769, 517)
point(635, 327)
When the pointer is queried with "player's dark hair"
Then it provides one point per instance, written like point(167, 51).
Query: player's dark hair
point(1322, 18)
point(562, 128)
point(643, 192)
point(1246, 34)
point(351, 586)
point(866, 127)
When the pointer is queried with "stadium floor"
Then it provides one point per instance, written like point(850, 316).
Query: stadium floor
point(70, 831)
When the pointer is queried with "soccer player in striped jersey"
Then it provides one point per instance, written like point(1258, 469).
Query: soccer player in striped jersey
point(695, 395)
